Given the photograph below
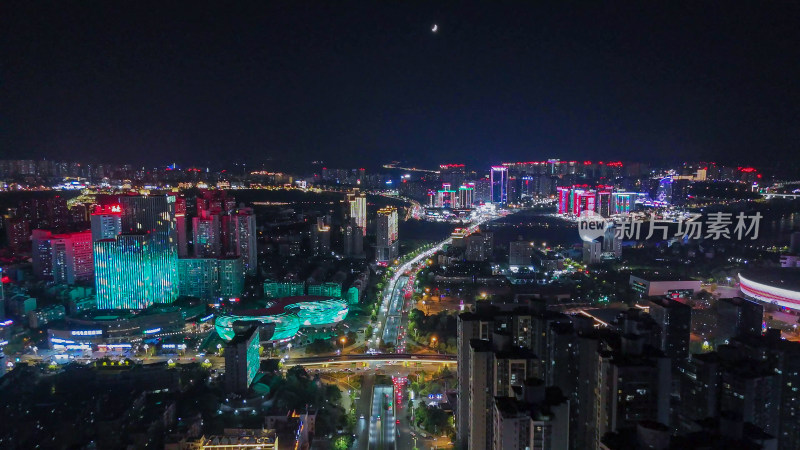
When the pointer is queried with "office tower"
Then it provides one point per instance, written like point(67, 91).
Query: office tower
point(357, 207)
point(180, 227)
point(106, 222)
point(72, 258)
point(41, 254)
point(675, 319)
point(155, 215)
point(123, 272)
point(242, 360)
point(321, 238)
point(133, 272)
point(499, 185)
point(387, 240)
point(149, 273)
point(207, 236)
point(737, 316)
point(244, 223)
point(520, 253)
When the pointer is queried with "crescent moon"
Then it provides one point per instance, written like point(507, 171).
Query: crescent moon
point(435, 28)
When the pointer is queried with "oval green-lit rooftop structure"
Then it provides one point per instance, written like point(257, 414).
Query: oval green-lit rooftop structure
point(288, 315)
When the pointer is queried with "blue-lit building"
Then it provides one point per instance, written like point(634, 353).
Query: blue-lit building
point(499, 184)
point(139, 267)
point(242, 360)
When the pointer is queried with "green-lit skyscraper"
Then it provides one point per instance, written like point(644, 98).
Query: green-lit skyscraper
point(140, 266)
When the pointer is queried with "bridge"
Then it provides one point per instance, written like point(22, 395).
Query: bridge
point(385, 358)
point(769, 195)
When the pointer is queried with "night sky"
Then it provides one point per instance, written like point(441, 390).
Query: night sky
point(361, 83)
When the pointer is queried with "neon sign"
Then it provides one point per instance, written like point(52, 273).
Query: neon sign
point(152, 331)
point(86, 332)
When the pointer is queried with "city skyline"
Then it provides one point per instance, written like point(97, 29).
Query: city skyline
point(364, 225)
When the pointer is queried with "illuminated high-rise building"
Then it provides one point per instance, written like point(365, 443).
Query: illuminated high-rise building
point(198, 277)
point(357, 202)
point(386, 245)
point(563, 199)
point(446, 197)
point(664, 190)
point(499, 184)
point(152, 214)
point(139, 267)
point(211, 278)
point(131, 272)
point(242, 360)
point(466, 195)
point(603, 203)
point(623, 202)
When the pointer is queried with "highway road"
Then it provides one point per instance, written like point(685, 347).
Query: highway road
point(382, 428)
point(363, 412)
point(394, 315)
